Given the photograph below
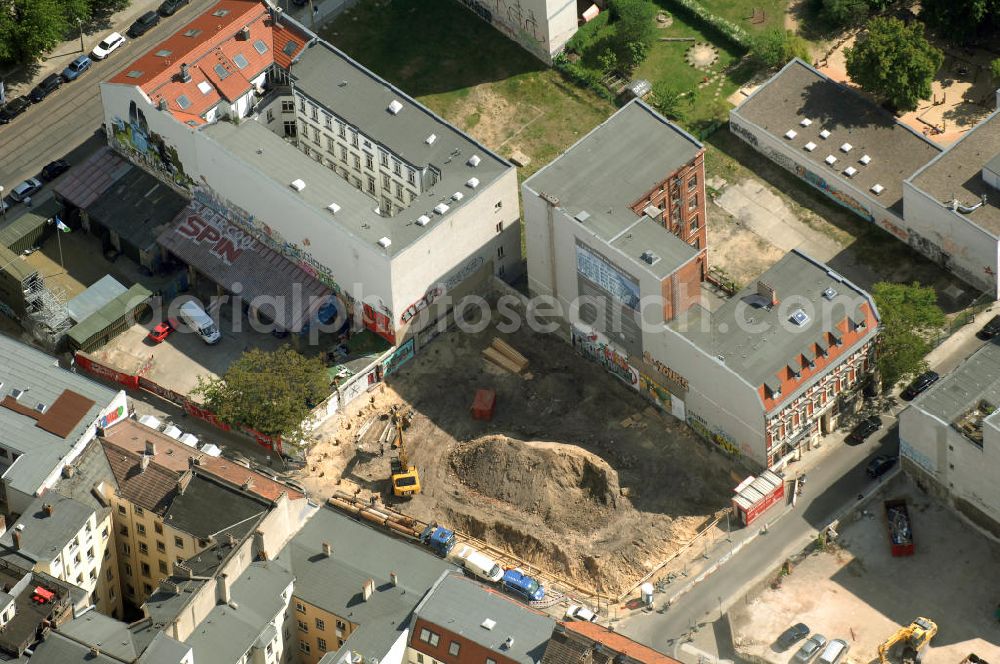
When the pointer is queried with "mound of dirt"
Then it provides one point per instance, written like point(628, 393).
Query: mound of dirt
point(567, 486)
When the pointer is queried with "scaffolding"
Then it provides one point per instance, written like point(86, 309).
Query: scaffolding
point(47, 317)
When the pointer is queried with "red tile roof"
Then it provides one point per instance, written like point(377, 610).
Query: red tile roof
point(617, 642)
point(283, 35)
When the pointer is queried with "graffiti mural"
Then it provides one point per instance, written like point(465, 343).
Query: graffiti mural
point(846, 200)
point(744, 133)
point(720, 438)
point(898, 231)
point(655, 392)
point(134, 138)
point(665, 370)
point(437, 290)
point(916, 456)
point(595, 348)
point(512, 19)
point(399, 357)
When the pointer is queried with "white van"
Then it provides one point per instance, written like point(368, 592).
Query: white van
point(833, 652)
point(480, 565)
point(196, 318)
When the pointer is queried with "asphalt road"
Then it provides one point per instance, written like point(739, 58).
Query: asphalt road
point(63, 121)
point(831, 485)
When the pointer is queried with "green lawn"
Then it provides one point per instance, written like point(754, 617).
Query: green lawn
point(739, 12)
point(470, 74)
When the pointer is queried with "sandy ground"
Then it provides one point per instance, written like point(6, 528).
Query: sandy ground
point(577, 473)
point(855, 590)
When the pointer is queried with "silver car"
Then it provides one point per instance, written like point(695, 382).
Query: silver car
point(809, 649)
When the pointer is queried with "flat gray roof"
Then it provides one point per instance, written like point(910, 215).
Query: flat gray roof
point(57, 649)
point(44, 536)
point(976, 379)
point(41, 452)
point(958, 174)
point(755, 341)
point(109, 635)
point(612, 168)
point(206, 507)
point(799, 92)
point(460, 605)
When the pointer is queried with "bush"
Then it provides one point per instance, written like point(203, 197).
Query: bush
point(667, 100)
point(586, 78)
point(634, 31)
point(774, 48)
point(734, 33)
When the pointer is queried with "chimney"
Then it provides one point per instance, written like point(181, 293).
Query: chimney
point(368, 589)
point(95, 652)
point(143, 463)
point(393, 579)
point(185, 74)
point(150, 448)
point(222, 589)
point(327, 549)
point(68, 471)
point(183, 571)
point(767, 292)
point(17, 540)
point(48, 509)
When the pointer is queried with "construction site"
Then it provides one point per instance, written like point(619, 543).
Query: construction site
point(889, 605)
point(565, 467)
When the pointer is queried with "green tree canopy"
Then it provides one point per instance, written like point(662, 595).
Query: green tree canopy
point(634, 30)
point(30, 28)
point(271, 392)
point(995, 69)
point(910, 315)
point(667, 100)
point(959, 21)
point(894, 62)
point(775, 47)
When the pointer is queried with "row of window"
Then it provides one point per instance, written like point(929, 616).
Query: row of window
point(421, 659)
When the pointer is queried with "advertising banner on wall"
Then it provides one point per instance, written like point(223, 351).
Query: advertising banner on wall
point(399, 357)
point(609, 299)
point(601, 272)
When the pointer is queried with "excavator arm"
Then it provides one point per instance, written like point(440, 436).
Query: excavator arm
point(884, 649)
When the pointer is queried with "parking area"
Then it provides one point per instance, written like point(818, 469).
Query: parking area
point(856, 591)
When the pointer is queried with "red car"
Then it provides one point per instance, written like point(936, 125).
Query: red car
point(161, 331)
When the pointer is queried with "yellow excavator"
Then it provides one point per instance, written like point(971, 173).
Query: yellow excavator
point(404, 477)
point(913, 638)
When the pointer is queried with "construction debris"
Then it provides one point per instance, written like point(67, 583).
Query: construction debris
point(505, 356)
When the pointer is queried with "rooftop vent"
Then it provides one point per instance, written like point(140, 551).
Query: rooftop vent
point(489, 623)
point(877, 189)
point(17, 394)
point(850, 171)
point(582, 216)
point(440, 208)
point(474, 160)
point(865, 159)
point(41, 408)
point(806, 122)
point(830, 159)
point(508, 644)
point(791, 133)
point(244, 33)
point(824, 134)
point(384, 242)
point(472, 183)
point(333, 208)
point(395, 107)
point(423, 220)
point(185, 74)
point(430, 139)
point(810, 146)
point(297, 185)
point(846, 147)
point(829, 293)
point(649, 257)
point(457, 196)
point(799, 317)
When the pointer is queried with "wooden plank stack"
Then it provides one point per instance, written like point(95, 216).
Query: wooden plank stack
point(503, 355)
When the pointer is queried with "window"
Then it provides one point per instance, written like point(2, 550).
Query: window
point(369, 162)
point(287, 106)
point(341, 129)
point(302, 105)
point(128, 570)
point(499, 226)
point(490, 661)
point(385, 180)
point(695, 223)
point(104, 533)
point(123, 531)
point(692, 183)
point(163, 567)
point(260, 46)
point(141, 529)
point(328, 121)
point(453, 648)
point(109, 575)
point(270, 648)
point(354, 137)
point(178, 542)
point(428, 636)
point(343, 154)
point(341, 624)
point(303, 626)
point(143, 548)
point(146, 588)
point(241, 61)
point(357, 161)
point(399, 191)
point(321, 644)
point(299, 606)
point(129, 590)
point(383, 158)
point(320, 624)
point(145, 569)
point(397, 167)
point(93, 575)
point(121, 510)
point(420, 658)
point(158, 527)
point(90, 553)
point(371, 185)
point(290, 128)
point(126, 549)
point(304, 647)
point(693, 202)
point(498, 206)
point(314, 112)
point(411, 176)
point(500, 251)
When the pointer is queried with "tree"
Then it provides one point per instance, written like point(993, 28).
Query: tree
point(634, 27)
point(895, 62)
point(270, 392)
point(667, 100)
point(608, 61)
point(843, 13)
point(960, 21)
point(995, 69)
point(773, 48)
point(910, 315)
point(31, 27)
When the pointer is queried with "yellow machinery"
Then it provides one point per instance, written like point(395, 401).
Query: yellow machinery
point(405, 478)
point(914, 637)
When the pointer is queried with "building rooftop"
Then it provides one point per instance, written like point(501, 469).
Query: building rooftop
point(609, 644)
point(58, 649)
point(208, 508)
point(461, 605)
point(799, 92)
point(958, 174)
point(42, 440)
point(164, 650)
point(22, 630)
point(756, 340)
point(46, 528)
point(89, 470)
point(107, 634)
point(614, 167)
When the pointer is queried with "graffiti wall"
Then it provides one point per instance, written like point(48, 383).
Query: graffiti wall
point(717, 436)
point(399, 357)
point(132, 136)
point(540, 26)
point(596, 348)
point(655, 393)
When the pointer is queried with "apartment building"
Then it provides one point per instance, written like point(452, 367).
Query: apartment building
point(461, 621)
point(305, 152)
point(71, 541)
point(48, 415)
point(582, 641)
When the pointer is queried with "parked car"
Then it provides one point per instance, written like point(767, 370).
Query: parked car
point(108, 45)
point(865, 428)
point(520, 583)
point(26, 189)
point(791, 636)
point(14, 108)
point(170, 7)
point(48, 85)
point(162, 331)
point(143, 24)
point(833, 652)
point(920, 384)
point(990, 330)
point(880, 465)
point(576, 612)
point(77, 68)
point(54, 169)
point(809, 649)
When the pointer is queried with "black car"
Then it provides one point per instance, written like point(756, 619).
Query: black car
point(920, 384)
point(169, 7)
point(880, 465)
point(13, 109)
point(990, 330)
point(143, 24)
point(48, 85)
point(865, 428)
point(54, 169)
point(791, 636)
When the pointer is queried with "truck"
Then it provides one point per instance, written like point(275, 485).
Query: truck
point(519, 583)
point(438, 539)
point(900, 532)
point(478, 564)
